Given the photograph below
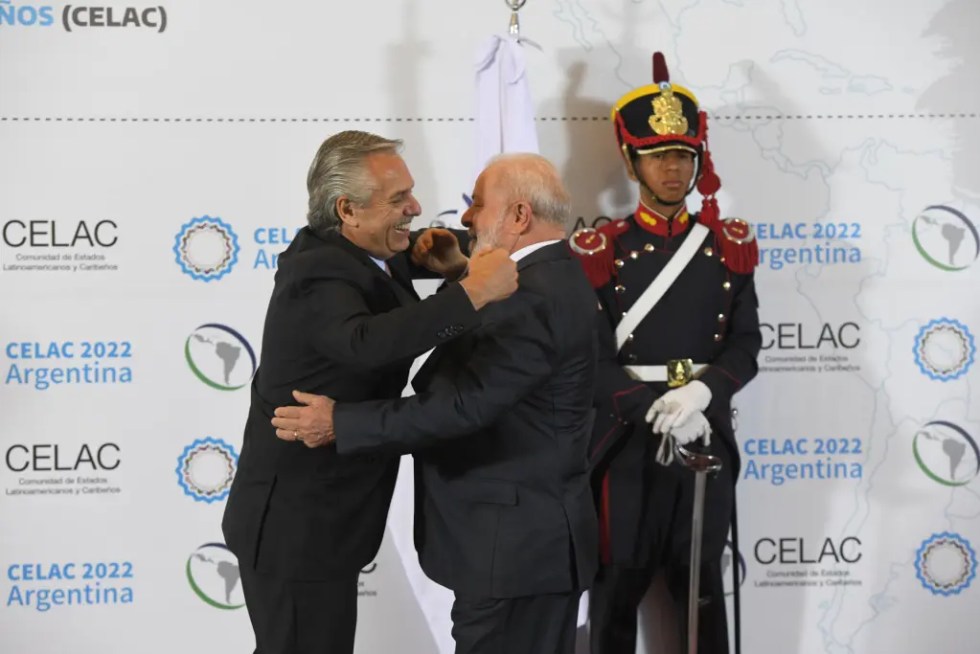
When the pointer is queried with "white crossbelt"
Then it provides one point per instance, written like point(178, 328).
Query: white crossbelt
point(656, 373)
point(663, 281)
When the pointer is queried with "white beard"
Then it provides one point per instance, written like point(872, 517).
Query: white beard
point(489, 239)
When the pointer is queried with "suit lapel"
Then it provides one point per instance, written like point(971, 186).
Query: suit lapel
point(400, 275)
point(398, 282)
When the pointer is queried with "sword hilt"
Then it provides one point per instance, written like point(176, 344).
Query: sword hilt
point(696, 461)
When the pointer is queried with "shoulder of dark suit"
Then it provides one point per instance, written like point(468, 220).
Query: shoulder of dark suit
point(330, 255)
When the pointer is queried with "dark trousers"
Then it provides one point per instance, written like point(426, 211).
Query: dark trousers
point(617, 592)
point(301, 617)
point(665, 545)
point(539, 624)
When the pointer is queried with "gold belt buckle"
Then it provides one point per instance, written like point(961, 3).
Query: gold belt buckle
point(679, 372)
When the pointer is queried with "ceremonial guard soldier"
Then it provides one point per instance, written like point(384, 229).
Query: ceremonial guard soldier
point(679, 336)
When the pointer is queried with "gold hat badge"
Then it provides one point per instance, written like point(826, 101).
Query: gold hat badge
point(668, 115)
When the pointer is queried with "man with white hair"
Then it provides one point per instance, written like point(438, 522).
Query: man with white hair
point(499, 430)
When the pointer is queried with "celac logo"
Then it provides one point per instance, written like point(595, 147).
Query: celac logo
point(726, 569)
point(220, 357)
point(212, 571)
point(206, 468)
point(451, 217)
point(206, 248)
point(946, 238)
point(364, 588)
point(946, 453)
point(945, 564)
point(944, 349)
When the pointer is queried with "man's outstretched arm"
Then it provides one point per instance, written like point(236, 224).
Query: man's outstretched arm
point(514, 355)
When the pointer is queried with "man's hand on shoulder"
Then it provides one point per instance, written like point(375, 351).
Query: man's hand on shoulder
point(492, 277)
point(312, 423)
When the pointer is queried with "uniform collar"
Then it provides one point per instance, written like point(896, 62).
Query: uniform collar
point(661, 225)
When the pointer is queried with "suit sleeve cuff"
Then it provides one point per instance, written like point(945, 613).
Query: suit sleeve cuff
point(631, 404)
point(457, 310)
point(353, 428)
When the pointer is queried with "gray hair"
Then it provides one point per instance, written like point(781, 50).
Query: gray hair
point(535, 180)
point(338, 170)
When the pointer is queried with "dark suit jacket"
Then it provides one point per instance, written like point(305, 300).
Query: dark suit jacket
point(337, 325)
point(503, 507)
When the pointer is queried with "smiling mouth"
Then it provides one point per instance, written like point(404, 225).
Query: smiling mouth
point(404, 227)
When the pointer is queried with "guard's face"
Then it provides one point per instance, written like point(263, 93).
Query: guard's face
point(485, 217)
point(668, 173)
point(382, 225)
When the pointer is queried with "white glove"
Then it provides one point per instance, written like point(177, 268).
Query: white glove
point(675, 407)
point(696, 427)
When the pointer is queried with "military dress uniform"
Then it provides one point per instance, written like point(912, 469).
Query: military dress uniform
point(705, 326)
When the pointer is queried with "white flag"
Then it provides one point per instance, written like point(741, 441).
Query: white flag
point(504, 111)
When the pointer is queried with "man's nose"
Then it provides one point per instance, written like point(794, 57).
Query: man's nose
point(413, 208)
point(467, 219)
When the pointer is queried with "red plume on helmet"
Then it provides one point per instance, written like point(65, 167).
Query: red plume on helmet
point(660, 73)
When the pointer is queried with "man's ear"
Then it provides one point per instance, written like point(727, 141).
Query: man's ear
point(630, 165)
point(522, 217)
point(346, 211)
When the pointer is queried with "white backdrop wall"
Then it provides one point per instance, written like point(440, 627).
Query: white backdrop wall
point(847, 132)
